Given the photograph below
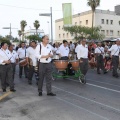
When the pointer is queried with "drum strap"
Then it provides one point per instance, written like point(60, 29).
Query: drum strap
point(25, 52)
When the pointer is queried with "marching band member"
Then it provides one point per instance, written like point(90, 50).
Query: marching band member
point(72, 46)
point(6, 70)
point(115, 51)
point(32, 61)
point(22, 55)
point(44, 55)
point(99, 52)
point(64, 51)
point(56, 49)
point(14, 58)
point(82, 55)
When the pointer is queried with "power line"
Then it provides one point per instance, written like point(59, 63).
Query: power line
point(29, 8)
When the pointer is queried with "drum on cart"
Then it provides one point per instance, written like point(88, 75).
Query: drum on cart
point(61, 65)
point(75, 64)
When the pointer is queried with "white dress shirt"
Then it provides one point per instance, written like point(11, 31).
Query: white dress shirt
point(72, 47)
point(14, 56)
point(64, 51)
point(56, 50)
point(44, 51)
point(82, 52)
point(99, 50)
point(30, 53)
point(115, 50)
point(4, 55)
point(21, 53)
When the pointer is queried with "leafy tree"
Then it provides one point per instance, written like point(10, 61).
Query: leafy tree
point(93, 4)
point(23, 24)
point(36, 25)
point(19, 33)
point(34, 37)
point(81, 32)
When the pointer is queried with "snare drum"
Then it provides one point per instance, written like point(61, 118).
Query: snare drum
point(75, 64)
point(61, 65)
point(23, 62)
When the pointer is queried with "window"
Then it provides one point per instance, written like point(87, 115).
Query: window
point(59, 27)
point(63, 35)
point(67, 35)
point(103, 31)
point(71, 34)
point(118, 33)
point(86, 22)
point(107, 22)
point(107, 32)
point(119, 22)
point(75, 23)
point(59, 35)
point(111, 32)
point(80, 22)
point(102, 21)
point(111, 22)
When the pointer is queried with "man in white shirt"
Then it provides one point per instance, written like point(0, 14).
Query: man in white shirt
point(22, 55)
point(99, 52)
point(44, 55)
point(32, 61)
point(14, 58)
point(6, 70)
point(72, 46)
point(64, 50)
point(82, 55)
point(115, 52)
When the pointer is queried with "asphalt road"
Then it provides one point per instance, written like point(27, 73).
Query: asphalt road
point(99, 99)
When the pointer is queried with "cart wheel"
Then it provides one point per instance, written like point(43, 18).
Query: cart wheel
point(82, 79)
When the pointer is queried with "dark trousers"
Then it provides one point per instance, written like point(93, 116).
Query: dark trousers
point(45, 72)
point(6, 73)
point(64, 58)
point(100, 63)
point(13, 67)
point(115, 63)
point(30, 73)
point(21, 70)
point(84, 66)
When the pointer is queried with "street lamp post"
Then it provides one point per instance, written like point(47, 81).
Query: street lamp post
point(10, 30)
point(49, 15)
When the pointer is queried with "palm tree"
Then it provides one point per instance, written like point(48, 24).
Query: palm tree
point(19, 33)
point(36, 25)
point(23, 24)
point(93, 4)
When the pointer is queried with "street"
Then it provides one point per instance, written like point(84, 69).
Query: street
point(99, 99)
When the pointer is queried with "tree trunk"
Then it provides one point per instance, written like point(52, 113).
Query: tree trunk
point(92, 20)
point(36, 31)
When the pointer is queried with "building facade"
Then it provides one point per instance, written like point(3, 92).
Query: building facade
point(33, 32)
point(108, 20)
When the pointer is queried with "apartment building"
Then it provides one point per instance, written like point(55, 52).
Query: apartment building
point(108, 20)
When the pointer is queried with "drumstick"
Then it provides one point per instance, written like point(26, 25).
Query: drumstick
point(47, 58)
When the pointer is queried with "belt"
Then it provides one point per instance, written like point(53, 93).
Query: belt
point(115, 56)
point(45, 63)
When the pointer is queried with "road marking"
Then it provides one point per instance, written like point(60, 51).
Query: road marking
point(98, 86)
point(88, 99)
point(82, 108)
point(104, 83)
point(5, 95)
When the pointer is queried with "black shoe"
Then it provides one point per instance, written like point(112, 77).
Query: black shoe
point(40, 93)
point(98, 73)
point(51, 94)
point(26, 77)
point(30, 83)
point(116, 76)
point(4, 90)
point(12, 90)
point(20, 76)
point(105, 72)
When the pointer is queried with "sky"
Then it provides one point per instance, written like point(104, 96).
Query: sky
point(13, 11)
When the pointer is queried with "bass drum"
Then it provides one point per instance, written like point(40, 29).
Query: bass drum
point(61, 65)
point(75, 64)
point(23, 62)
